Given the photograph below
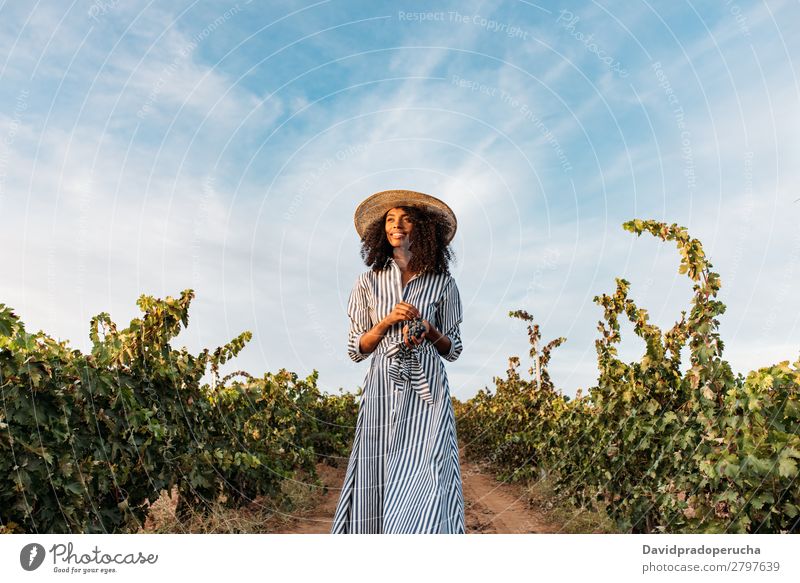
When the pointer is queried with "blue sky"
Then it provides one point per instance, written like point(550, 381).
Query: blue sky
point(153, 147)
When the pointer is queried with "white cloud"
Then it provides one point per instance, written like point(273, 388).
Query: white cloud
point(264, 233)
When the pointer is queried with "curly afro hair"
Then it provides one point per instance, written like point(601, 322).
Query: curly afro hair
point(430, 251)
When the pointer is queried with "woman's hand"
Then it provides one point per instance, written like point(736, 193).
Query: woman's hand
point(408, 340)
point(402, 311)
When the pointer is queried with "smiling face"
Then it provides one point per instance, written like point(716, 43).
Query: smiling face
point(398, 228)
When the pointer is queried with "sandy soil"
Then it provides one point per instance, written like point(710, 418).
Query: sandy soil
point(490, 506)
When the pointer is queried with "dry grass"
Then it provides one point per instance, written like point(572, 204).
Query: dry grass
point(541, 495)
point(260, 516)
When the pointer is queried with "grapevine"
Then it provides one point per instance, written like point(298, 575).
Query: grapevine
point(416, 328)
point(657, 449)
point(87, 441)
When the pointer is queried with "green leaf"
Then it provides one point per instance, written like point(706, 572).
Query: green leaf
point(74, 487)
point(787, 467)
point(759, 500)
point(760, 466)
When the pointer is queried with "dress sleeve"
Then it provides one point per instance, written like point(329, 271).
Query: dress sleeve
point(358, 311)
point(449, 316)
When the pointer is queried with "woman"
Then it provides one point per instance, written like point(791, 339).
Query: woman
point(403, 475)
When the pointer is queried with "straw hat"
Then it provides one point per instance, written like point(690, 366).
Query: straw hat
point(375, 206)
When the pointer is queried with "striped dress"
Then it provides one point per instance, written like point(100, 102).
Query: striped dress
point(403, 475)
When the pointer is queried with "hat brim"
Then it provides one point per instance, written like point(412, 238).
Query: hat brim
point(375, 206)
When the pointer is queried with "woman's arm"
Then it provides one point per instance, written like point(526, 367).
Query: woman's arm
point(369, 340)
point(449, 314)
point(363, 337)
point(401, 312)
point(358, 311)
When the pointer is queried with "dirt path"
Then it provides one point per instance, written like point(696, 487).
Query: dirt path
point(319, 520)
point(494, 507)
point(490, 506)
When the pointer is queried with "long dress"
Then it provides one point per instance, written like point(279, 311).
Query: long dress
point(403, 475)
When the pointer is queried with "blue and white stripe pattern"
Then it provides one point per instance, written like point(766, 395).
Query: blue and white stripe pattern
point(403, 475)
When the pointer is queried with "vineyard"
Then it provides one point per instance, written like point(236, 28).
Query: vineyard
point(87, 441)
point(657, 449)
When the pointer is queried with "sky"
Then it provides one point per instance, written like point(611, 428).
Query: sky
point(151, 147)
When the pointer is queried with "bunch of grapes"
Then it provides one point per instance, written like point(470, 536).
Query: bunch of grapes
point(415, 328)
